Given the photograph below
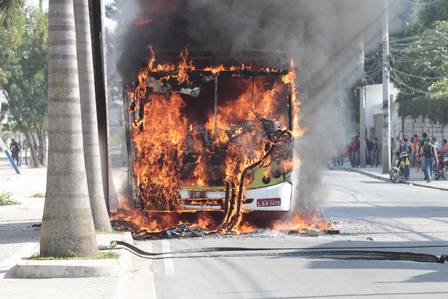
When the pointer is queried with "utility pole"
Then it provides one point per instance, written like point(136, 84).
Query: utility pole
point(362, 107)
point(386, 149)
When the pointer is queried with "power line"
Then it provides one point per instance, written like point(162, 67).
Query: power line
point(401, 39)
point(402, 83)
point(418, 77)
point(374, 70)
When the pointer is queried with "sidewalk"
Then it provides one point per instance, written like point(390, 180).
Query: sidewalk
point(416, 178)
point(16, 231)
point(19, 239)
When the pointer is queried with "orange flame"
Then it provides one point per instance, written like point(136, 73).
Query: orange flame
point(170, 150)
point(142, 21)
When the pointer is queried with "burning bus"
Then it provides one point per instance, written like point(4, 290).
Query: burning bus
point(212, 133)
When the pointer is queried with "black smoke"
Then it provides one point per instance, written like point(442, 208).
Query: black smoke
point(322, 36)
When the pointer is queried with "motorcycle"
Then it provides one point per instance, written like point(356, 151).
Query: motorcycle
point(400, 172)
point(441, 168)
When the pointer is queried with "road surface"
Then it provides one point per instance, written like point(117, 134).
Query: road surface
point(369, 213)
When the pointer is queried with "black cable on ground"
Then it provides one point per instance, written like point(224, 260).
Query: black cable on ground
point(330, 252)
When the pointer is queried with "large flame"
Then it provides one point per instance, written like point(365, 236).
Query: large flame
point(173, 149)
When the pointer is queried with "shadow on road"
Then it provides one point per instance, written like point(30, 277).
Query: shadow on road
point(389, 211)
point(368, 295)
point(11, 233)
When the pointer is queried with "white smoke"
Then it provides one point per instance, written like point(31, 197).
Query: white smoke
point(322, 36)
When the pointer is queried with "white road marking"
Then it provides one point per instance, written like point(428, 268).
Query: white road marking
point(168, 262)
point(122, 286)
point(140, 277)
point(150, 288)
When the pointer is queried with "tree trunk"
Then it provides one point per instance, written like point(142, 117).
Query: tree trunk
point(67, 224)
point(41, 146)
point(96, 16)
point(35, 147)
point(89, 116)
point(25, 148)
point(44, 146)
point(33, 151)
point(31, 144)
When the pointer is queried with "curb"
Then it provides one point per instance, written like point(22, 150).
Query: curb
point(63, 269)
point(369, 174)
point(381, 178)
point(76, 268)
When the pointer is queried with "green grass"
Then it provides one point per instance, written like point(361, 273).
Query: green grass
point(103, 255)
point(108, 255)
point(6, 199)
point(103, 247)
point(38, 195)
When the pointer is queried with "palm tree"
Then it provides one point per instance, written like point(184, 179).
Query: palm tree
point(89, 116)
point(67, 224)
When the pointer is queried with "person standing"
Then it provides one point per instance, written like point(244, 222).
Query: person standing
point(416, 152)
point(413, 153)
point(429, 157)
point(405, 146)
point(420, 152)
point(356, 144)
point(15, 151)
point(442, 154)
point(369, 149)
point(376, 152)
point(443, 150)
point(435, 143)
point(351, 152)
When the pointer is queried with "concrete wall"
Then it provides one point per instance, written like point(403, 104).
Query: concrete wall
point(374, 103)
point(419, 125)
point(374, 111)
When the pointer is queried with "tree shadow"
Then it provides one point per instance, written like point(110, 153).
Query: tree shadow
point(438, 272)
point(364, 295)
point(19, 232)
point(389, 211)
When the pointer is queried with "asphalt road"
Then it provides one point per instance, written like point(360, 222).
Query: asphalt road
point(369, 213)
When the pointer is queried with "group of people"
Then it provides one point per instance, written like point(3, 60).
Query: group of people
point(373, 149)
point(425, 153)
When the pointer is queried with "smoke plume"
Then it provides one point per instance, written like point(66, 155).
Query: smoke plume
point(324, 37)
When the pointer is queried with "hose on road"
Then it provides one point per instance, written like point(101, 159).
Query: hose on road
point(359, 253)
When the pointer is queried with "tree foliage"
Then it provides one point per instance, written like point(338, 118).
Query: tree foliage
point(23, 65)
point(420, 64)
point(8, 8)
point(431, 11)
point(423, 62)
point(434, 108)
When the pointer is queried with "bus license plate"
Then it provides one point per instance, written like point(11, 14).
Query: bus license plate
point(269, 202)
